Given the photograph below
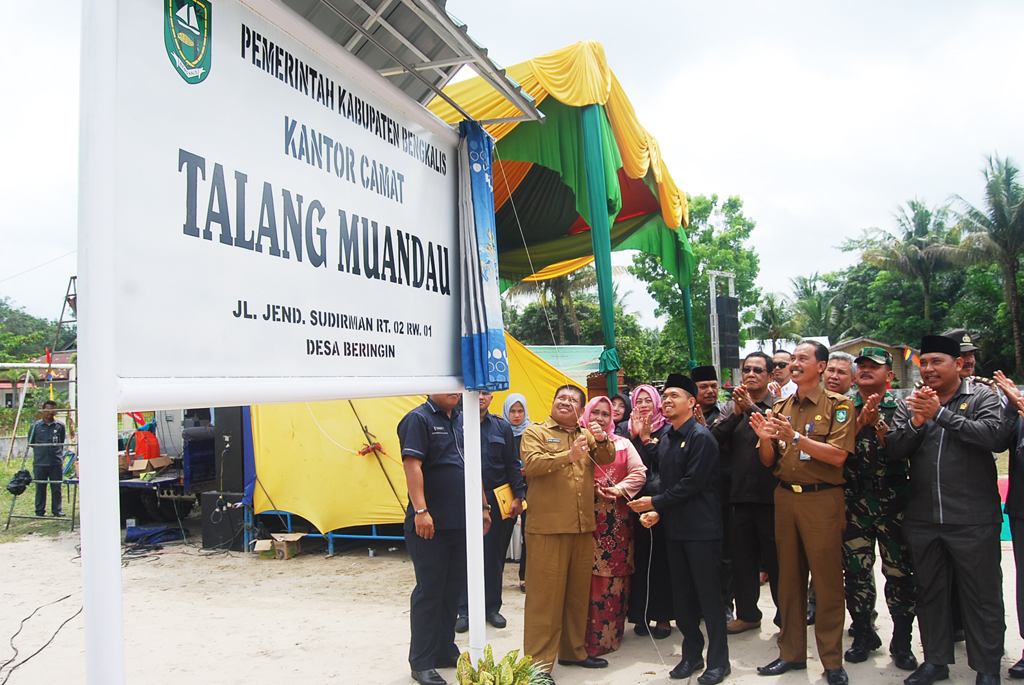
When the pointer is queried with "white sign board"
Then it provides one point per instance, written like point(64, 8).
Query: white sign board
point(281, 211)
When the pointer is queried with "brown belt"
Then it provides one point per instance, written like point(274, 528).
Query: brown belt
point(807, 488)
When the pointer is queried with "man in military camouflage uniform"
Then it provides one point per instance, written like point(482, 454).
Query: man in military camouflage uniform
point(876, 492)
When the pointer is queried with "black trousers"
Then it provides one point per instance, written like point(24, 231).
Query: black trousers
point(1017, 533)
point(727, 571)
point(495, 546)
point(52, 472)
point(440, 565)
point(973, 552)
point(522, 549)
point(696, 590)
point(650, 561)
point(753, 540)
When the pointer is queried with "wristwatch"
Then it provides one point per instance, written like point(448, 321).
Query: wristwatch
point(487, 507)
point(796, 438)
point(424, 510)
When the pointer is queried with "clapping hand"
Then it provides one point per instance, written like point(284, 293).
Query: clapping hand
point(775, 389)
point(741, 401)
point(868, 415)
point(924, 403)
point(640, 426)
point(698, 414)
point(1010, 389)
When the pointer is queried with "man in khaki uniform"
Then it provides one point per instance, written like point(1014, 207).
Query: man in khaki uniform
point(558, 461)
point(807, 438)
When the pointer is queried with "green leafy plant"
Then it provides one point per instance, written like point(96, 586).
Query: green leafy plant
point(509, 671)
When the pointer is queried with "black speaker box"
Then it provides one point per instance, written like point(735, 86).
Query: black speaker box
point(222, 524)
point(229, 476)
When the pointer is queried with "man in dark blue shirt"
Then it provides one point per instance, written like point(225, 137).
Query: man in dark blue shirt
point(499, 460)
point(689, 503)
point(47, 439)
point(435, 531)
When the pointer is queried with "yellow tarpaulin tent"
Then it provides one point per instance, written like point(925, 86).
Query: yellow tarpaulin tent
point(308, 456)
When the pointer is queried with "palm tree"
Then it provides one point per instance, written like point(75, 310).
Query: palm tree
point(997, 232)
point(560, 292)
point(772, 321)
point(924, 247)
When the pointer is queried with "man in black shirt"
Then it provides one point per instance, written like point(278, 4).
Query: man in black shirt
point(689, 503)
point(752, 494)
point(47, 439)
point(499, 459)
point(435, 531)
point(949, 430)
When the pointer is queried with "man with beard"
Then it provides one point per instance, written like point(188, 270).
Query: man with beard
point(706, 379)
point(752, 494)
point(949, 430)
point(689, 504)
point(807, 438)
point(876, 492)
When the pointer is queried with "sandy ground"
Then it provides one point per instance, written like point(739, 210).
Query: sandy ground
point(313, 619)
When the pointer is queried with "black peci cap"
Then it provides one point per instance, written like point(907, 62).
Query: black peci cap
point(678, 380)
point(703, 373)
point(941, 344)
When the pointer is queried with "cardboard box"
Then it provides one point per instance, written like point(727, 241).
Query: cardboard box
point(122, 462)
point(283, 546)
point(140, 466)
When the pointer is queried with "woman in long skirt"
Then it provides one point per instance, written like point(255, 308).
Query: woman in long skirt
point(614, 485)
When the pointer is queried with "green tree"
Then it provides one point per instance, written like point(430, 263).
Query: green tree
point(718, 234)
point(773, 320)
point(996, 232)
point(23, 336)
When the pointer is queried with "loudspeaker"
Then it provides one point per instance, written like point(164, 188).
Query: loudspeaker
point(728, 331)
point(229, 476)
point(223, 525)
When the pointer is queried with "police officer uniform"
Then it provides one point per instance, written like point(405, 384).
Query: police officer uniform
point(427, 433)
point(809, 520)
point(47, 440)
point(876, 490)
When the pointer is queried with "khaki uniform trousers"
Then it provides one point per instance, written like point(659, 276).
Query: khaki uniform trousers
point(558, 573)
point(809, 536)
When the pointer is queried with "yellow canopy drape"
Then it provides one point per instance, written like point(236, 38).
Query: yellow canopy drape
point(577, 75)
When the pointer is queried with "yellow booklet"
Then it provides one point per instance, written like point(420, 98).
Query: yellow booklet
point(504, 496)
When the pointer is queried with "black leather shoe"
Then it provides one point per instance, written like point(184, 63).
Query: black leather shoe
point(497, 620)
point(713, 676)
point(642, 629)
point(462, 624)
point(812, 613)
point(927, 673)
point(589, 662)
point(906, 661)
point(428, 677)
point(684, 669)
point(446, 662)
point(837, 676)
point(661, 633)
point(780, 666)
point(1017, 670)
point(959, 635)
point(986, 679)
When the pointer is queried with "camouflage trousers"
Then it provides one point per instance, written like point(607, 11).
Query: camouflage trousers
point(873, 517)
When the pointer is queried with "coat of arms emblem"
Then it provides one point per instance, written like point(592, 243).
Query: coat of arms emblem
point(187, 37)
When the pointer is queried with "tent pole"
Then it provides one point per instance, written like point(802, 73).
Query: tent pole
point(474, 525)
point(688, 313)
point(600, 236)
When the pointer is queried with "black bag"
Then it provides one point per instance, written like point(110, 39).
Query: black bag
point(21, 480)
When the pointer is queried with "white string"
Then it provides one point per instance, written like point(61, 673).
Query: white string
point(325, 432)
point(647, 600)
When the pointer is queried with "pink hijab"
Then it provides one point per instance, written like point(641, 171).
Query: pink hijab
point(585, 416)
point(657, 418)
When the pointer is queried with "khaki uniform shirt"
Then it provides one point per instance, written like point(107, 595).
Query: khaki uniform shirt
point(822, 416)
point(561, 494)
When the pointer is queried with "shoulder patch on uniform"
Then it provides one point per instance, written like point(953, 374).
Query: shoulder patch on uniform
point(841, 414)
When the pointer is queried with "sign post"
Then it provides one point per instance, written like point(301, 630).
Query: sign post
point(262, 218)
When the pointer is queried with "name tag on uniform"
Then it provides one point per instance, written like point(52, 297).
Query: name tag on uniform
point(554, 440)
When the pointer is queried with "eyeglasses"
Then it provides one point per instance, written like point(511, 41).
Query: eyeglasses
point(753, 369)
point(781, 365)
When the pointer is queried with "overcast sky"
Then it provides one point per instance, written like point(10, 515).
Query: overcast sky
point(823, 117)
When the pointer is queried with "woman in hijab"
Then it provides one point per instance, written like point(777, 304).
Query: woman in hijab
point(614, 484)
point(647, 426)
point(515, 412)
point(621, 409)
